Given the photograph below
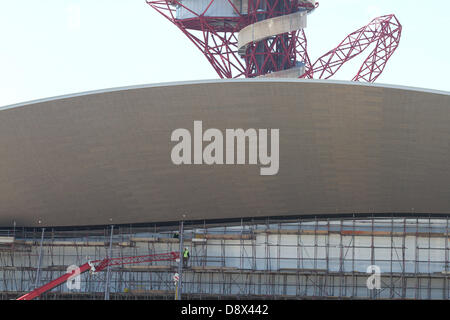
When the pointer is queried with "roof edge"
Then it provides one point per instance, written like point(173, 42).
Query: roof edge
point(190, 82)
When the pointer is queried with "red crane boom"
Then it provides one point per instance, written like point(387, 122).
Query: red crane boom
point(96, 266)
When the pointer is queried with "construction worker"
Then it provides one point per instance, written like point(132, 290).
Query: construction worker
point(185, 257)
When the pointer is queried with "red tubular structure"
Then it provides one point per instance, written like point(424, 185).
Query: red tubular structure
point(384, 31)
point(277, 52)
point(96, 266)
point(217, 38)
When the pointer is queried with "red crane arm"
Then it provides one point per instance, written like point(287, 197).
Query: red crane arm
point(52, 284)
point(102, 264)
point(96, 266)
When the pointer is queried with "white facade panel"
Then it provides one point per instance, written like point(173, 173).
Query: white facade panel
point(194, 8)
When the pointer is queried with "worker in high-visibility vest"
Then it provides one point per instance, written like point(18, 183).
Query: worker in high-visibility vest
point(185, 257)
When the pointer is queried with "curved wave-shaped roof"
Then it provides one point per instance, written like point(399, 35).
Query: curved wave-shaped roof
point(104, 157)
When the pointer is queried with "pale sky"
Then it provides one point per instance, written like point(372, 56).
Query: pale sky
point(55, 47)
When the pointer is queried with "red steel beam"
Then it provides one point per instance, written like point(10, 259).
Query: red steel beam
point(100, 265)
point(384, 32)
point(216, 38)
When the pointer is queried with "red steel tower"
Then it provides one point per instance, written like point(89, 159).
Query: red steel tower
point(266, 38)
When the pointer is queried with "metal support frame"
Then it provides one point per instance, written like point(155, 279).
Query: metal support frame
point(296, 259)
point(179, 288)
point(108, 270)
point(38, 271)
point(384, 32)
point(216, 38)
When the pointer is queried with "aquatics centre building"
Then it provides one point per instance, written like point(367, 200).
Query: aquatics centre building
point(361, 184)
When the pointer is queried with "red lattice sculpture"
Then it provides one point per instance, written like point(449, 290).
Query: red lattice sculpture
point(250, 38)
point(384, 31)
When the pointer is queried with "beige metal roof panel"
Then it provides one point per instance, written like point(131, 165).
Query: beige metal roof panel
point(103, 157)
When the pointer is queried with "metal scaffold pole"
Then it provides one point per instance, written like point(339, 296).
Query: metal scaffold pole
point(38, 274)
point(108, 270)
point(180, 265)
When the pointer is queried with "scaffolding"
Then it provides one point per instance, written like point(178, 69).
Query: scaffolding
point(295, 258)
